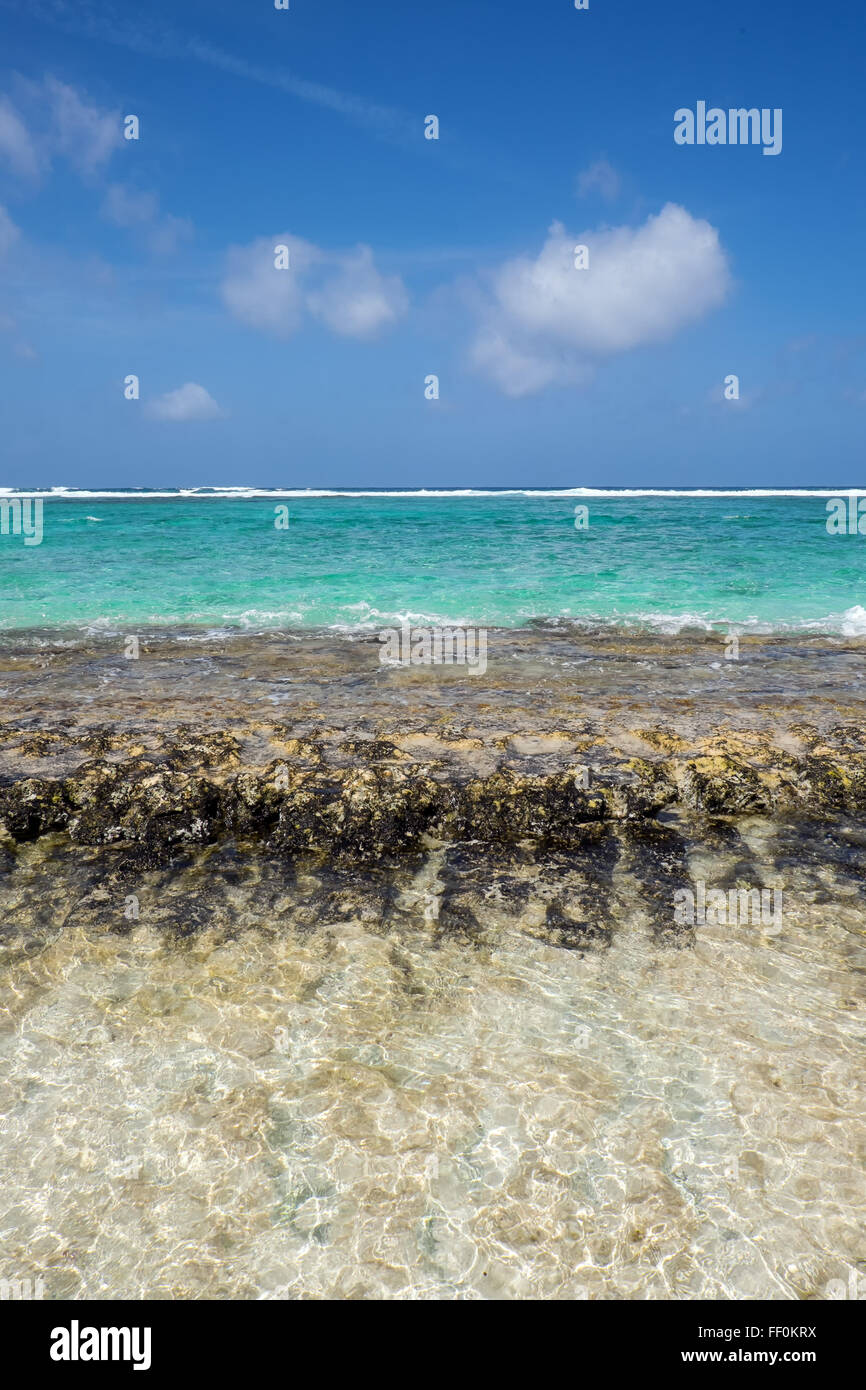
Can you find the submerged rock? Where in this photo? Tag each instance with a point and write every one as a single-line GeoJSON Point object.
{"type": "Point", "coordinates": [369, 799]}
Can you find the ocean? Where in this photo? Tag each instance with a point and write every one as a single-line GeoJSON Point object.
{"type": "Point", "coordinates": [761, 560]}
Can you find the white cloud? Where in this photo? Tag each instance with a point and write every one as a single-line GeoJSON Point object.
{"type": "Point", "coordinates": [261, 296]}
{"type": "Point", "coordinates": [602, 177]}
{"type": "Point", "coordinates": [542, 322]}
{"type": "Point", "coordinates": [60, 122]}
{"type": "Point", "coordinates": [357, 301]}
{"type": "Point", "coordinates": [344, 290]}
{"type": "Point", "coordinates": [87, 136]}
{"type": "Point", "coordinates": [9, 233]}
{"type": "Point", "coordinates": [523, 371]}
{"type": "Point", "coordinates": [51, 120]}
{"type": "Point", "coordinates": [189, 402]}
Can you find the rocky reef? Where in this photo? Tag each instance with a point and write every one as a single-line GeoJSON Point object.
{"type": "Point", "coordinates": [538, 794]}
{"type": "Point", "coordinates": [367, 799]}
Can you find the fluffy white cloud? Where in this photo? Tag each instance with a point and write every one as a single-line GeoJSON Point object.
{"type": "Point", "coordinates": [543, 322]}
{"type": "Point", "coordinates": [600, 177]}
{"type": "Point", "coordinates": [189, 402]}
{"type": "Point", "coordinates": [260, 295]}
{"type": "Point", "coordinates": [356, 300]}
{"type": "Point", "coordinates": [343, 290]}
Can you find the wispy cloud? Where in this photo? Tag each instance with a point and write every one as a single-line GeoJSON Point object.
{"type": "Point", "coordinates": [385, 121]}
{"type": "Point", "coordinates": [83, 133]}
{"type": "Point", "coordinates": [601, 178]}
{"type": "Point", "coordinates": [18, 150]}
{"type": "Point", "coordinates": [342, 289]}
{"type": "Point", "coordinates": [188, 402]}
{"type": "Point", "coordinates": [50, 120]}
{"type": "Point", "coordinates": [104, 22]}
{"type": "Point", "coordinates": [139, 211]}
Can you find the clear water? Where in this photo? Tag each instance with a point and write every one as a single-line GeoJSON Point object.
{"type": "Point", "coordinates": [266, 1110]}
{"type": "Point", "coordinates": [764, 562]}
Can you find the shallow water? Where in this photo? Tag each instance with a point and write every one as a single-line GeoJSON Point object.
{"type": "Point", "coordinates": [286, 1083]}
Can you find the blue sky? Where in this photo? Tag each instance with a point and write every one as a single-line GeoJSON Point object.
{"type": "Point", "coordinates": [411, 257]}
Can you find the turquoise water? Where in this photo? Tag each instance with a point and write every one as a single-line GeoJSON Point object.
{"type": "Point", "coordinates": [762, 562]}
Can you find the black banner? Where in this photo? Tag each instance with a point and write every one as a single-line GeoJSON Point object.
{"type": "Point", "coordinates": [84, 1339]}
